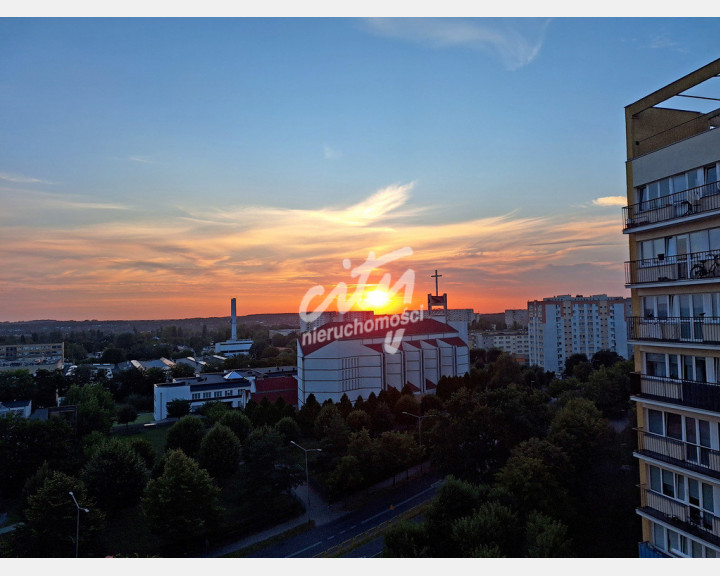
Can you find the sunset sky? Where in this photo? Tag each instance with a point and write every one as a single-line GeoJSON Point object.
{"type": "Point", "coordinates": [156, 168]}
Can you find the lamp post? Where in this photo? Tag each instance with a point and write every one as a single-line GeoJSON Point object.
{"type": "Point", "coordinates": [419, 419]}
{"type": "Point", "coordinates": [307, 474]}
{"type": "Point", "coordinates": [77, 532]}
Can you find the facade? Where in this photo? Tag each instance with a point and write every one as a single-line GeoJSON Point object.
{"type": "Point", "coordinates": [21, 408]}
{"type": "Point", "coordinates": [516, 318]}
{"type": "Point", "coordinates": [561, 326]}
{"type": "Point", "coordinates": [672, 221]}
{"type": "Point", "coordinates": [514, 342]}
{"type": "Point", "coordinates": [346, 358]}
{"type": "Point", "coordinates": [33, 353]}
{"type": "Point", "coordinates": [233, 388]}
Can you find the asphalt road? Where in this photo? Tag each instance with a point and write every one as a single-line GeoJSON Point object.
{"type": "Point", "coordinates": [383, 508]}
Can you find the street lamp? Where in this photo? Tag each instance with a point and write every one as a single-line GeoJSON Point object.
{"type": "Point", "coordinates": [307, 475]}
{"type": "Point", "coordinates": [419, 419]}
{"type": "Point", "coordinates": [77, 533]}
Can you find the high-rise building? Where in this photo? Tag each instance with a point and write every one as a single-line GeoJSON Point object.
{"type": "Point", "coordinates": [561, 326]}
{"type": "Point", "coordinates": [673, 225]}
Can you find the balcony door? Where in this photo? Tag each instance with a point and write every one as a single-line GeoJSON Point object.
{"type": "Point", "coordinates": [697, 437]}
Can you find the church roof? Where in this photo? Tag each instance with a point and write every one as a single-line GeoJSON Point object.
{"type": "Point", "coordinates": [332, 331]}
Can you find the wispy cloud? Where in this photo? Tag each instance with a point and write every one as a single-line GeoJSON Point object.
{"type": "Point", "coordinates": [20, 179]}
{"type": "Point", "coordinates": [610, 201]}
{"type": "Point", "coordinates": [142, 159]}
{"type": "Point", "coordinates": [188, 262]}
{"type": "Point", "coordinates": [517, 42]}
{"type": "Point", "coordinates": [331, 153]}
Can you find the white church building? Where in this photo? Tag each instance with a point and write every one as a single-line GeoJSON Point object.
{"type": "Point", "coordinates": [346, 358]}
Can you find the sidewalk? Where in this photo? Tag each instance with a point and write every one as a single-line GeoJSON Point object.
{"type": "Point", "coordinates": [320, 511]}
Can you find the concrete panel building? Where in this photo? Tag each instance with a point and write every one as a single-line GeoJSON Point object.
{"type": "Point", "coordinates": [561, 326]}
{"type": "Point", "coordinates": [672, 222]}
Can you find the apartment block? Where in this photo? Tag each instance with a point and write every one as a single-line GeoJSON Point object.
{"type": "Point", "coordinates": [561, 326]}
{"type": "Point", "coordinates": [672, 221]}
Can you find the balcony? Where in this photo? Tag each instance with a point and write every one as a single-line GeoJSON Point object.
{"type": "Point", "coordinates": [703, 395]}
{"type": "Point", "coordinates": [692, 520]}
{"type": "Point", "coordinates": [701, 330]}
{"type": "Point", "coordinates": [684, 267]}
{"type": "Point", "coordinates": [691, 456]}
{"type": "Point", "coordinates": [676, 206]}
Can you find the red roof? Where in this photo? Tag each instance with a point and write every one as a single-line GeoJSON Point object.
{"type": "Point", "coordinates": [429, 385]}
{"type": "Point", "coordinates": [413, 387]}
{"type": "Point", "coordinates": [454, 341]}
{"type": "Point", "coordinates": [272, 388]}
{"type": "Point", "coordinates": [336, 331]}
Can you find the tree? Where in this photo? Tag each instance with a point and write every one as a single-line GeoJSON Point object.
{"type": "Point", "coordinates": [113, 356]}
{"type": "Point", "coordinates": [326, 415]}
{"type": "Point", "coordinates": [267, 468]}
{"type": "Point", "coordinates": [455, 499]}
{"type": "Point", "coordinates": [491, 524]}
{"type": "Point", "coordinates": [178, 408]}
{"type": "Point", "coordinates": [505, 371]}
{"type": "Point", "coordinates": [115, 476]}
{"type": "Point", "coordinates": [288, 428]}
{"type": "Point", "coordinates": [547, 537]}
{"type": "Point", "coordinates": [182, 370]}
{"type": "Point", "coordinates": [143, 448]}
{"type": "Point", "coordinates": [16, 385]}
{"type": "Point", "coordinates": [26, 444]}
{"type": "Point", "coordinates": [237, 422]}
{"type": "Point", "coordinates": [182, 504]}
{"type": "Point", "coordinates": [126, 413]}
{"type": "Point", "coordinates": [95, 407]}
{"type": "Point", "coordinates": [572, 361]}
{"type": "Point", "coordinates": [605, 358]}
{"type": "Point", "coordinates": [50, 528]}
{"type": "Point", "coordinates": [406, 403]}
{"type": "Point", "coordinates": [345, 406]}
{"type": "Point", "coordinates": [405, 540]}
{"type": "Point", "coordinates": [220, 452]}
{"type": "Point", "coordinates": [357, 420]}
{"type": "Point", "coordinates": [382, 418]}
{"type": "Point", "coordinates": [213, 411]}
{"type": "Point", "coordinates": [186, 435]}
{"type": "Point", "coordinates": [346, 477]}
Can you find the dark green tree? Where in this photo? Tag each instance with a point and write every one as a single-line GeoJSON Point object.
{"type": "Point", "coordinates": [182, 504]}
{"type": "Point", "coordinates": [178, 408]}
{"type": "Point", "coordinates": [547, 537]}
{"type": "Point", "coordinates": [186, 435]}
{"type": "Point", "coordinates": [126, 413]}
{"type": "Point", "coordinates": [357, 420]}
{"type": "Point", "coordinates": [289, 428]}
{"type": "Point", "coordinates": [50, 526]}
{"type": "Point", "coordinates": [238, 423]}
{"type": "Point", "coordinates": [405, 540]}
{"type": "Point", "coordinates": [95, 407]}
{"type": "Point", "coordinates": [115, 476]}
{"type": "Point", "coordinates": [220, 452]}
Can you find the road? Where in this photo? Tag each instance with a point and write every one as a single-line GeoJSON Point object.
{"type": "Point", "coordinates": [385, 507]}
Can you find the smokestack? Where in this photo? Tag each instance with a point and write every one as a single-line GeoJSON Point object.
{"type": "Point", "coordinates": [233, 315]}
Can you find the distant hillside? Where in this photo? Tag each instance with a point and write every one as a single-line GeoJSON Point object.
{"type": "Point", "coordinates": [287, 320]}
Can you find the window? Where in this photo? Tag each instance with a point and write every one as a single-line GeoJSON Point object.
{"type": "Point", "coordinates": [206, 395]}
{"type": "Point", "coordinates": [655, 421]}
{"type": "Point", "coordinates": [218, 394]}
{"type": "Point", "coordinates": [673, 425]}
{"type": "Point", "coordinates": [196, 396]}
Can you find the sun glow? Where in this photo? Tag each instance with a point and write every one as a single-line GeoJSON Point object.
{"type": "Point", "coordinates": [376, 299]}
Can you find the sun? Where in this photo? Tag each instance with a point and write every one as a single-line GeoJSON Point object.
{"type": "Point", "coordinates": [376, 299]}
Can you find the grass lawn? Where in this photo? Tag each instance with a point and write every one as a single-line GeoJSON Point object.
{"type": "Point", "coordinates": [143, 418]}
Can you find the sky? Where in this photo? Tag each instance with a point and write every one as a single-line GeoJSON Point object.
{"type": "Point", "coordinates": [155, 168]}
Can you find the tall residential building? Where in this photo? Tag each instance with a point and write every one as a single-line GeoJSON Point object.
{"type": "Point", "coordinates": [561, 326]}
{"type": "Point", "coordinates": [514, 342]}
{"type": "Point", "coordinates": [673, 225]}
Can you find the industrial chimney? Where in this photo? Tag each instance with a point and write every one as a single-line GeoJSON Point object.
{"type": "Point", "coordinates": [233, 316]}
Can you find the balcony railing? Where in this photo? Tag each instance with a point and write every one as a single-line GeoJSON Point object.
{"type": "Point", "coordinates": [696, 200]}
{"type": "Point", "coordinates": [700, 330]}
{"type": "Point", "coordinates": [693, 266]}
{"type": "Point", "coordinates": [694, 520]}
{"type": "Point", "coordinates": [691, 456]}
{"type": "Point", "coordinates": [689, 393]}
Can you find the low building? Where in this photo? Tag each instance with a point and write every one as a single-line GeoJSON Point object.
{"type": "Point", "coordinates": [513, 342]}
{"type": "Point", "coordinates": [232, 388]}
{"type": "Point", "coordinates": [22, 408]}
{"type": "Point", "coordinates": [33, 353]}
{"type": "Point", "coordinates": [351, 358]}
